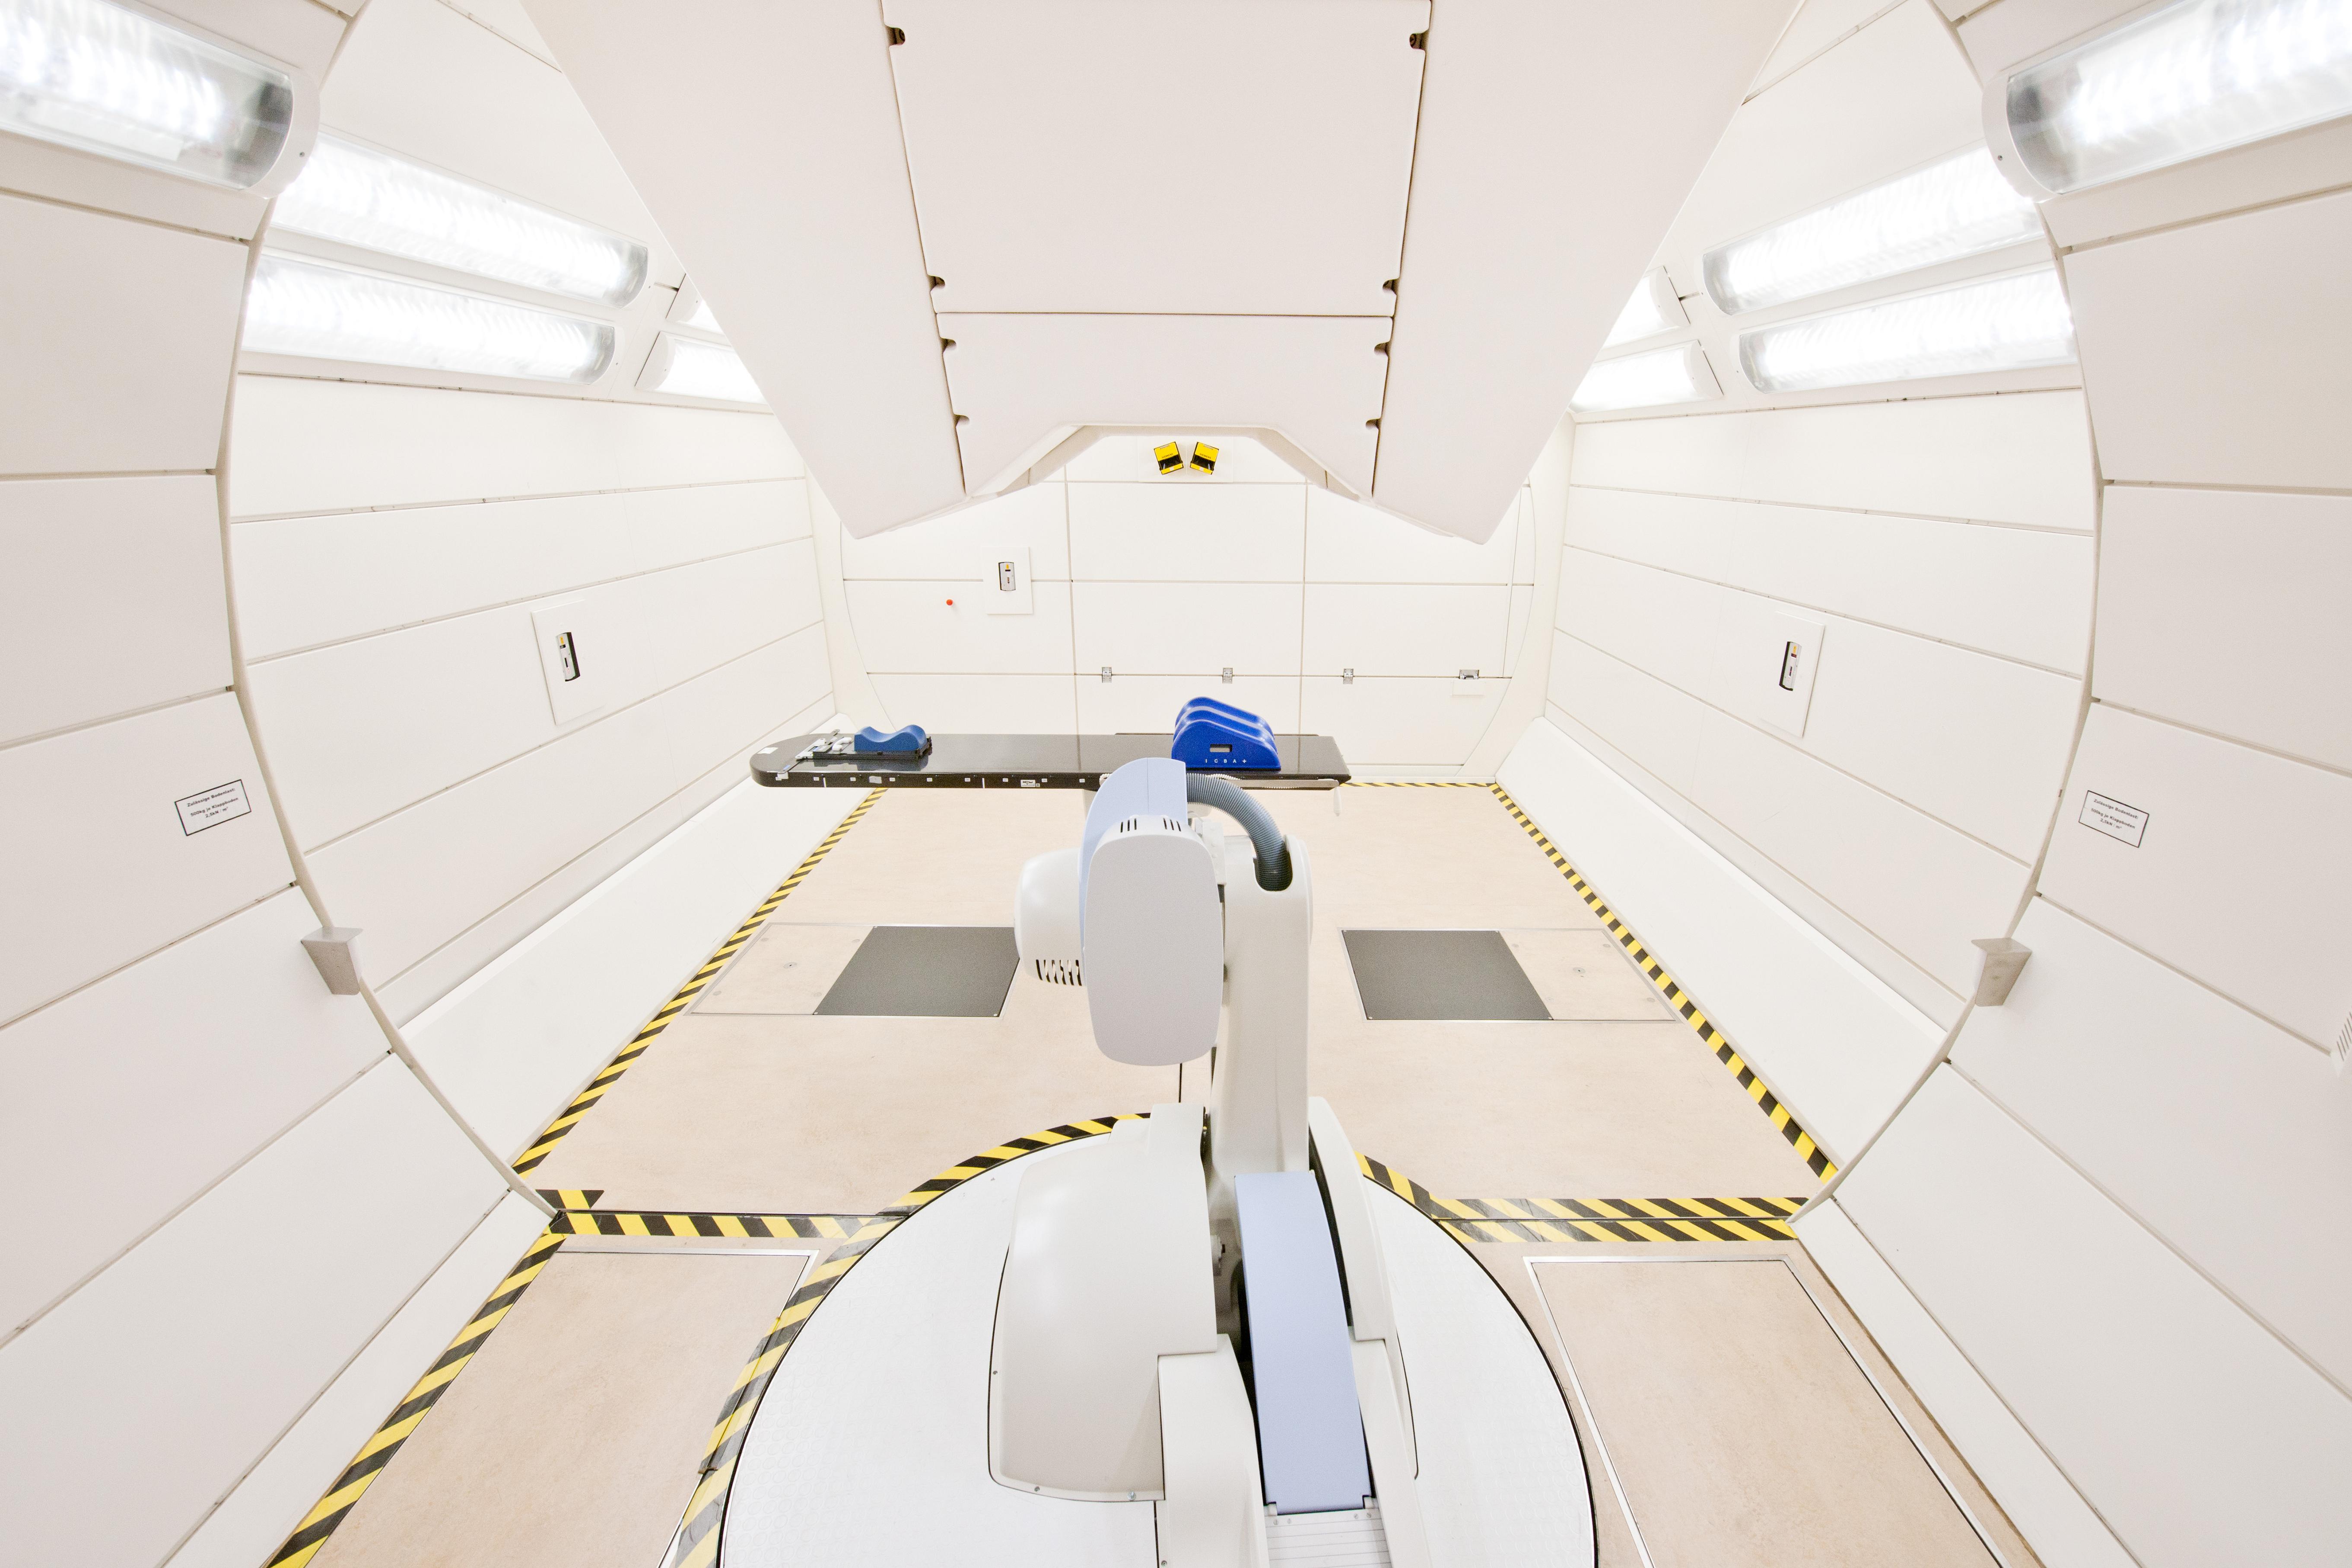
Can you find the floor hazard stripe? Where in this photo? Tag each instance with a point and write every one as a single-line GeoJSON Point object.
{"type": "Point", "coordinates": [1594, 1219]}
{"type": "Point", "coordinates": [585, 1100]}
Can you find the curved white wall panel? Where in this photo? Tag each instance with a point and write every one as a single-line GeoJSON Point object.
{"type": "Point", "coordinates": [1046, 182]}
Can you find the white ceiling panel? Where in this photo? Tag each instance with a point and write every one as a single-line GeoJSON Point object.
{"type": "Point", "coordinates": [1175, 156]}
{"type": "Point", "coordinates": [765, 139]}
{"type": "Point", "coordinates": [1021, 382]}
{"type": "Point", "coordinates": [1557, 140]}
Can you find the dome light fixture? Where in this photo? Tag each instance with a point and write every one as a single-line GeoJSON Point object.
{"type": "Point", "coordinates": [2015, 323]}
{"type": "Point", "coordinates": [2171, 84]}
{"type": "Point", "coordinates": [1957, 207]}
{"type": "Point", "coordinates": [378, 201]}
{"type": "Point", "coordinates": [1652, 380]}
{"type": "Point", "coordinates": [108, 79]}
{"type": "Point", "coordinates": [318, 310]}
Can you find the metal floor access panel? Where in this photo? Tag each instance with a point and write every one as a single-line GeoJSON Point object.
{"type": "Point", "coordinates": [1427, 975]}
{"type": "Point", "coordinates": [926, 972]}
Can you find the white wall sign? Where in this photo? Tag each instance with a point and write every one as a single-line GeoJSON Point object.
{"type": "Point", "coordinates": [211, 808]}
{"type": "Point", "coordinates": [2113, 817]}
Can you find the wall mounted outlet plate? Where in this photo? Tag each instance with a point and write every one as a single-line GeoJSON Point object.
{"type": "Point", "coordinates": [1004, 587]}
{"type": "Point", "coordinates": [1786, 671]}
{"type": "Point", "coordinates": [572, 654]}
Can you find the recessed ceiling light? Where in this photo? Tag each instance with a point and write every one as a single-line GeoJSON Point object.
{"type": "Point", "coordinates": [311, 308]}
{"type": "Point", "coordinates": [2016, 323]}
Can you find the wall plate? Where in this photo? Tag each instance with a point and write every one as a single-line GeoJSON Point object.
{"type": "Point", "coordinates": [1787, 668]}
{"type": "Point", "coordinates": [572, 655]}
{"type": "Point", "coordinates": [1004, 587]}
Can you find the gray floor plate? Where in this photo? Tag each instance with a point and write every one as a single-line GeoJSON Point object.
{"type": "Point", "coordinates": [1441, 975]}
{"type": "Point", "coordinates": [926, 972]}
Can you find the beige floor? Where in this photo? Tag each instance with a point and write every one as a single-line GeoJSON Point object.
{"type": "Point", "coordinates": [1737, 1417]}
{"type": "Point", "coordinates": [572, 1439]}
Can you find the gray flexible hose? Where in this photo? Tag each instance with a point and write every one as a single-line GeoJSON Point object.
{"type": "Point", "coordinates": [1272, 850]}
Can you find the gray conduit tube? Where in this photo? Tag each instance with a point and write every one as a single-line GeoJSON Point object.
{"type": "Point", "coordinates": [1272, 850]}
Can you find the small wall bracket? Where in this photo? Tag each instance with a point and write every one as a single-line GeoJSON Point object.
{"type": "Point", "coordinates": [2000, 959]}
{"type": "Point", "coordinates": [336, 950]}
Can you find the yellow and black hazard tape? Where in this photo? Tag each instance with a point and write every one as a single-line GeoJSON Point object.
{"type": "Point", "coordinates": [1593, 1219]}
{"type": "Point", "coordinates": [1012, 1149]}
{"type": "Point", "coordinates": [719, 1226]}
{"type": "Point", "coordinates": [585, 1100]}
{"type": "Point", "coordinates": [332, 1509]}
{"type": "Point", "coordinates": [1766, 1100]}
{"type": "Point", "coordinates": [696, 1544]}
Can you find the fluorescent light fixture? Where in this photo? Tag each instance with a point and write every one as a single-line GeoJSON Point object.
{"type": "Point", "coordinates": [2014, 322]}
{"type": "Point", "coordinates": [107, 80]}
{"type": "Point", "coordinates": [2175, 84]}
{"type": "Point", "coordinates": [376, 200]}
{"type": "Point", "coordinates": [1953, 208]}
{"type": "Point", "coordinates": [1678, 375]}
{"type": "Point", "coordinates": [688, 367]}
{"type": "Point", "coordinates": [316, 311]}
{"type": "Point", "coordinates": [691, 310]}
{"type": "Point", "coordinates": [1654, 308]}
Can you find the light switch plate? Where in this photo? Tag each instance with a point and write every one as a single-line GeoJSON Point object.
{"type": "Point", "coordinates": [1787, 671]}
{"type": "Point", "coordinates": [1004, 586]}
{"type": "Point", "coordinates": [572, 655]}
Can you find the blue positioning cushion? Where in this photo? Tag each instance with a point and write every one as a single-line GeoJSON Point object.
{"type": "Point", "coordinates": [1214, 734]}
{"type": "Point", "coordinates": [910, 741]}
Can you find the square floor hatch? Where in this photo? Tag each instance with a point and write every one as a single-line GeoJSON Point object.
{"type": "Point", "coordinates": [926, 972]}
{"type": "Point", "coordinates": [1433, 975]}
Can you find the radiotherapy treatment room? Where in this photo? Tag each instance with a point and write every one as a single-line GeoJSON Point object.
{"type": "Point", "coordinates": [1176, 784]}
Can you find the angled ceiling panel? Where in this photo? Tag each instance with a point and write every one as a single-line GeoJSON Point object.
{"type": "Point", "coordinates": [1557, 138]}
{"type": "Point", "coordinates": [1224, 157]}
{"type": "Point", "coordinates": [1022, 381]}
{"type": "Point", "coordinates": [764, 138]}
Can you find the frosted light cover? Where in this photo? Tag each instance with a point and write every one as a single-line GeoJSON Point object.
{"type": "Point", "coordinates": [320, 311]}
{"type": "Point", "coordinates": [379, 201]}
{"type": "Point", "coordinates": [700, 316]}
{"type": "Point", "coordinates": [2004, 323]}
{"type": "Point", "coordinates": [698, 369]}
{"type": "Point", "coordinates": [1678, 375]}
{"type": "Point", "coordinates": [1953, 208]}
{"type": "Point", "coordinates": [85, 74]}
{"type": "Point", "coordinates": [1645, 315]}
{"type": "Point", "coordinates": [2191, 78]}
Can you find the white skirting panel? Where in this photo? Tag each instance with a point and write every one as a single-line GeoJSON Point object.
{"type": "Point", "coordinates": [1833, 1042]}
{"type": "Point", "coordinates": [2045, 1506]}
{"type": "Point", "coordinates": [253, 1521]}
{"type": "Point", "coordinates": [516, 1041]}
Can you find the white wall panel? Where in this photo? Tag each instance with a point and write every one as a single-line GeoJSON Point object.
{"type": "Point", "coordinates": [2225, 610]}
{"type": "Point", "coordinates": [1389, 723]}
{"type": "Point", "coordinates": [117, 1119]}
{"type": "Point", "coordinates": [1172, 628]}
{"type": "Point", "coordinates": [2024, 459]}
{"type": "Point", "coordinates": [417, 879]}
{"type": "Point", "coordinates": [255, 1519]}
{"type": "Point", "coordinates": [304, 580]}
{"type": "Point", "coordinates": [2022, 592]}
{"type": "Point", "coordinates": [2216, 352]}
{"type": "Point", "coordinates": [2199, 1436]}
{"type": "Point", "coordinates": [99, 870]}
{"type": "Point", "coordinates": [1184, 533]}
{"type": "Point", "coordinates": [111, 597]}
{"type": "Point", "coordinates": [1818, 27]}
{"type": "Point", "coordinates": [1895, 95]}
{"type": "Point", "coordinates": [2035, 1494]}
{"type": "Point", "coordinates": [981, 704]}
{"type": "Point", "coordinates": [1923, 888]}
{"type": "Point", "coordinates": [1148, 702]}
{"type": "Point", "coordinates": [960, 543]}
{"type": "Point", "coordinates": [1979, 742]}
{"type": "Point", "coordinates": [270, 1288]}
{"type": "Point", "coordinates": [497, 116]}
{"type": "Point", "coordinates": [118, 358]}
{"type": "Point", "coordinates": [301, 445]}
{"type": "Point", "coordinates": [2192, 1113]}
{"type": "Point", "coordinates": [1347, 541]}
{"type": "Point", "coordinates": [453, 960]}
{"type": "Point", "coordinates": [362, 728]}
{"type": "Point", "coordinates": [1405, 630]}
{"type": "Point", "coordinates": [1831, 1039]}
{"type": "Point", "coordinates": [513, 1044]}
{"type": "Point", "coordinates": [2228, 830]}
{"type": "Point", "coordinates": [944, 627]}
